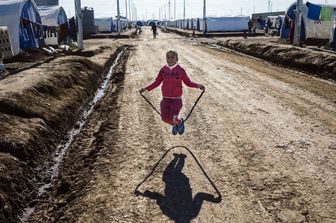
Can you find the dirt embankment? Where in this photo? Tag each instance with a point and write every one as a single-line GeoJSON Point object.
{"type": "Point", "coordinates": [64, 202]}
{"type": "Point", "coordinates": [37, 107]}
{"type": "Point", "coordinates": [316, 63]}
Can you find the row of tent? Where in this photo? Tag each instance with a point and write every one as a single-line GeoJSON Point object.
{"type": "Point", "coordinates": [30, 26]}
{"type": "Point", "coordinates": [213, 24]}
{"type": "Point", "coordinates": [108, 24]}
{"type": "Point", "coordinates": [318, 22]}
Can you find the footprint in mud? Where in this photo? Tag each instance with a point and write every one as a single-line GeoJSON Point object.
{"type": "Point", "coordinates": [177, 202]}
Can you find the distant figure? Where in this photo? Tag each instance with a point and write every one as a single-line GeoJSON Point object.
{"type": "Point", "coordinates": [250, 25]}
{"type": "Point", "coordinates": [259, 21]}
{"type": "Point", "coordinates": [291, 32]}
{"type": "Point", "coordinates": [154, 29]}
{"type": "Point", "coordinates": [268, 27]}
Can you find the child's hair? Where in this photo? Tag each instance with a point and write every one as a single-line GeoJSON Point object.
{"type": "Point", "coordinates": [173, 52]}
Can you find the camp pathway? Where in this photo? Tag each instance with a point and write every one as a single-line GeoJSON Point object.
{"type": "Point", "coordinates": [265, 135]}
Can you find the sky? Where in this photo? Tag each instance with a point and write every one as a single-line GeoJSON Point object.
{"type": "Point", "coordinates": [149, 9]}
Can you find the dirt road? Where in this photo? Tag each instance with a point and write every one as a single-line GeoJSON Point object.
{"type": "Point", "coordinates": [265, 135]}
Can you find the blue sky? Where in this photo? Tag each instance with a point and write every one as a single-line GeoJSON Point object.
{"type": "Point", "coordinates": [194, 8]}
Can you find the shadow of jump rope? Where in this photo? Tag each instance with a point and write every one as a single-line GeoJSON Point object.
{"type": "Point", "coordinates": [218, 199]}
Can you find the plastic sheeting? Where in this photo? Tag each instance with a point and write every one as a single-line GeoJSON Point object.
{"type": "Point", "coordinates": [11, 12]}
{"type": "Point", "coordinates": [105, 24]}
{"type": "Point", "coordinates": [52, 15]}
{"type": "Point", "coordinates": [311, 28]}
{"type": "Point", "coordinates": [317, 29]}
{"type": "Point", "coordinates": [227, 24]}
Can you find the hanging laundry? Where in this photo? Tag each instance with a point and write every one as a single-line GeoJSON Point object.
{"type": "Point", "coordinates": [326, 13]}
{"type": "Point", "coordinates": [313, 11]}
{"type": "Point", "coordinates": [63, 32]}
{"type": "Point", "coordinates": [73, 28]}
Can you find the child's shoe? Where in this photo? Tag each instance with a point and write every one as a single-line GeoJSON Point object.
{"type": "Point", "coordinates": [180, 127]}
{"type": "Point", "coordinates": [175, 129]}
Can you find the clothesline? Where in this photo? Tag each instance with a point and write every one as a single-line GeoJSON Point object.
{"type": "Point", "coordinates": [25, 20]}
{"type": "Point", "coordinates": [320, 13]}
{"type": "Point", "coordinates": [47, 31]}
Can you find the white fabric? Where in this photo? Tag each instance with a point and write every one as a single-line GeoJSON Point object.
{"type": "Point", "coordinates": [201, 24]}
{"type": "Point", "coordinates": [216, 24]}
{"type": "Point", "coordinates": [321, 29]}
{"type": "Point", "coordinates": [104, 24]}
{"type": "Point", "coordinates": [10, 16]}
{"type": "Point", "coordinates": [52, 15]}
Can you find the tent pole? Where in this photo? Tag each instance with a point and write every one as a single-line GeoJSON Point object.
{"type": "Point", "coordinates": [297, 28]}
{"type": "Point", "coordinates": [204, 17]}
{"type": "Point", "coordinates": [169, 9]}
{"type": "Point", "coordinates": [183, 9]}
{"type": "Point", "coordinates": [174, 9]}
{"type": "Point", "coordinates": [126, 9]}
{"type": "Point", "coordinates": [118, 17]}
{"type": "Point", "coordinates": [79, 17]}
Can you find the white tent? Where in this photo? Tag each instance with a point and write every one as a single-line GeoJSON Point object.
{"type": "Point", "coordinates": [311, 28]}
{"type": "Point", "coordinates": [53, 16]}
{"type": "Point", "coordinates": [227, 24]}
{"type": "Point", "coordinates": [318, 29]}
{"type": "Point", "coordinates": [193, 25]}
{"type": "Point", "coordinates": [21, 35]}
{"type": "Point", "coordinates": [105, 24]}
{"type": "Point", "coordinates": [200, 24]}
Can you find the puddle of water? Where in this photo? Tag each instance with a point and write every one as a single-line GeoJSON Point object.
{"type": "Point", "coordinates": [62, 148]}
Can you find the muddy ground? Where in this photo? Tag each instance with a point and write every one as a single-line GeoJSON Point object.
{"type": "Point", "coordinates": [265, 135]}
{"type": "Point", "coordinates": [318, 63]}
{"type": "Point", "coordinates": [37, 108]}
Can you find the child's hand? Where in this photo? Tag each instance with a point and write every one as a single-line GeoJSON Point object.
{"type": "Point", "coordinates": [201, 87]}
{"type": "Point", "coordinates": [142, 90]}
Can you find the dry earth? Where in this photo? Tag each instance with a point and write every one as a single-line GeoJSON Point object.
{"type": "Point", "coordinates": [265, 135]}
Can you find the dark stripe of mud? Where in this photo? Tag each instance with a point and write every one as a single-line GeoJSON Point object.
{"type": "Point", "coordinates": [35, 118]}
{"type": "Point", "coordinates": [314, 63]}
{"type": "Point", "coordinates": [64, 201]}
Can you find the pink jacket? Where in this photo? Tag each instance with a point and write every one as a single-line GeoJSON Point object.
{"type": "Point", "coordinates": [172, 81]}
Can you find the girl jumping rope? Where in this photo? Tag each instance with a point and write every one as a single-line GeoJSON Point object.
{"type": "Point", "coordinates": [171, 77]}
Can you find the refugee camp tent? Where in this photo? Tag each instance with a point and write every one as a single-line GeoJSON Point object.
{"type": "Point", "coordinates": [284, 28]}
{"type": "Point", "coordinates": [193, 24]}
{"type": "Point", "coordinates": [151, 23]}
{"type": "Point", "coordinates": [200, 24]}
{"type": "Point", "coordinates": [321, 28]}
{"type": "Point", "coordinates": [317, 21]}
{"type": "Point", "coordinates": [227, 24]}
{"type": "Point", "coordinates": [105, 25]}
{"type": "Point", "coordinates": [24, 23]}
{"type": "Point", "coordinates": [55, 16]}
{"type": "Point", "coordinates": [139, 23]}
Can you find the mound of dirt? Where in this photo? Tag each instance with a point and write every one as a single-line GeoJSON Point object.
{"type": "Point", "coordinates": [317, 63]}
{"type": "Point", "coordinates": [37, 108]}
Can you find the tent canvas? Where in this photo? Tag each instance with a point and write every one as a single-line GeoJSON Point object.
{"type": "Point", "coordinates": [320, 29]}
{"type": "Point", "coordinates": [200, 24]}
{"type": "Point", "coordinates": [22, 36]}
{"type": "Point", "coordinates": [139, 23]}
{"type": "Point", "coordinates": [311, 28]}
{"type": "Point", "coordinates": [105, 24]}
{"type": "Point", "coordinates": [193, 24]}
{"type": "Point", "coordinates": [227, 24]}
{"type": "Point", "coordinates": [52, 16]}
